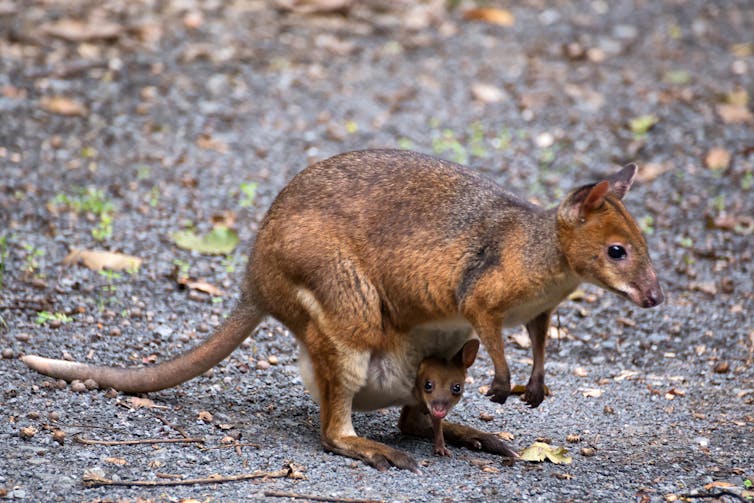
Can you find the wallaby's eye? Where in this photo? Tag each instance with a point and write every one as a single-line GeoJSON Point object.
{"type": "Point", "coordinates": [428, 386]}
{"type": "Point", "coordinates": [456, 389]}
{"type": "Point", "coordinates": [616, 252]}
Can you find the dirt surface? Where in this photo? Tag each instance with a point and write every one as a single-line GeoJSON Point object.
{"type": "Point", "coordinates": [151, 117]}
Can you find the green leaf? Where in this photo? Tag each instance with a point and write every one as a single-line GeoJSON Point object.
{"type": "Point", "coordinates": [220, 241]}
{"type": "Point", "coordinates": [540, 451]}
{"type": "Point", "coordinates": [642, 124]}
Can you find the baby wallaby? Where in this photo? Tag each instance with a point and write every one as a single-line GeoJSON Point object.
{"type": "Point", "coordinates": [377, 259]}
{"type": "Point", "coordinates": [439, 387]}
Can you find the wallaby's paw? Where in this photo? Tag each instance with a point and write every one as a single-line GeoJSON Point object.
{"type": "Point", "coordinates": [442, 451]}
{"type": "Point", "coordinates": [500, 390]}
{"type": "Point", "coordinates": [392, 457]}
{"type": "Point", "coordinates": [535, 391]}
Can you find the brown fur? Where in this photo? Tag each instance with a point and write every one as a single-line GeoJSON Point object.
{"type": "Point", "coordinates": [378, 259]}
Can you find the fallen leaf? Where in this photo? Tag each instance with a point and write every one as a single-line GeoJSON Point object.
{"type": "Point", "coordinates": [505, 435]}
{"type": "Point", "coordinates": [492, 15]}
{"type": "Point", "coordinates": [718, 483]}
{"type": "Point", "coordinates": [203, 286]}
{"type": "Point", "coordinates": [207, 142]}
{"type": "Point", "coordinates": [74, 30]}
{"type": "Point", "coordinates": [651, 171]}
{"type": "Point", "coordinates": [580, 372]}
{"type": "Point", "coordinates": [592, 393]}
{"type": "Point", "coordinates": [116, 461]}
{"type": "Point", "coordinates": [205, 416]}
{"type": "Point", "coordinates": [734, 114]}
{"type": "Point", "coordinates": [721, 367]}
{"type": "Point", "coordinates": [717, 158]}
{"type": "Point", "coordinates": [540, 451]}
{"type": "Point", "coordinates": [220, 241]}
{"type": "Point", "coordinates": [625, 374]}
{"type": "Point", "coordinates": [97, 260]}
{"type": "Point", "coordinates": [146, 403]}
{"type": "Point", "coordinates": [487, 93]}
{"type": "Point", "coordinates": [642, 124]}
{"type": "Point", "coordinates": [486, 417]}
{"type": "Point", "coordinates": [521, 340]}
{"type": "Point", "coordinates": [63, 106]}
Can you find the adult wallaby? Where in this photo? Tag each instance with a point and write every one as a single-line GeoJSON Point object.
{"type": "Point", "coordinates": [378, 259]}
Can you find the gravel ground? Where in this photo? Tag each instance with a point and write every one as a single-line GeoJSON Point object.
{"type": "Point", "coordinates": [151, 117]}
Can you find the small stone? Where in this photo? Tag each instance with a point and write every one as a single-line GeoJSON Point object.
{"type": "Point", "coordinates": [573, 438]}
{"type": "Point", "coordinates": [78, 386]}
{"type": "Point", "coordinates": [587, 451]}
{"type": "Point", "coordinates": [91, 384]}
{"type": "Point", "coordinates": [262, 365]}
{"type": "Point", "coordinates": [27, 432]}
{"type": "Point", "coordinates": [53, 416]}
{"type": "Point", "coordinates": [202, 327]}
{"type": "Point", "coordinates": [54, 323]}
{"type": "Point", "coordinates": [486, 417]}
{"type": "Point", "coordinates": [7, 353]}
{"type": "Point", "coordinates": [23, 337]}
{"type": "Point", "coordinates": [60, 384]}
{"type": "Point", "coordinates": [33, 415]}
{"type": "Point", "coordinates": [58, 436]}
{"type": "Point", "coordinates": [273, 360]}
{"type": "Point", "coordinates": [608, 410]}
{"type": "Point", "coordinates": [111, 393]}
{"type": "Point", "coordinates": [115, 331]}
{"type": "Point", "coordinates": [722, 367]}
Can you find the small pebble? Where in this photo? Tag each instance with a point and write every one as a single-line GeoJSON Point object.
{"type": "Point", "coordinates": [486, 417]}
{"type": "Point", "coordinates": [53, 416]}
{"type": "Point", "coordinates": [202, 327]}
{"type": "Point", "coordinates": [33, 415]}
{"type": "Point", "coordinates": [273, 359]}
{"type": "Point", "coordinates": [262, 365]}
{"type": "Point", "coordinates": [78, 386]}
{"type": "Point", "coordinates": [91, 384]}
{"type": "Point", "coordinates": [608, 410]}
{"type": "Point", "coordinates": [115, 331]}
{"type": "Point", "coordinates": [7, 353]}
{"type": "Point", "coordinates": [721, 367]}
{"type": "Point", "coordinates": [587, 451]}
{"type": "Point", "coordinates": [54, 323]}
{"type": "Point", "coordinates": [58, 436]}
{"type": "Point", "coordinates": [23, 337]}
{"type": "Point", "coordinates": [27, 432]}
{"type": "Point", "coordinates": [61, 384]}
{"type": "Point", "coordinates": [573, 438]}
{"type": "Point", "coordinates": [111, 393]}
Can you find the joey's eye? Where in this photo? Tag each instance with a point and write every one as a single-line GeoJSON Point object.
{"type": "Point", "coordinates": [428, 386]}
{"type": "Point", "coordinates": [616, 252]}
{"type": "Point", "coordinates": [456, 389]}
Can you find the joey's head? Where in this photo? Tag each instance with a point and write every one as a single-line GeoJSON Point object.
{"type": "Point", "coordinates": [602, 242]}
{"type": "Point", "coordinates": [439, 383]}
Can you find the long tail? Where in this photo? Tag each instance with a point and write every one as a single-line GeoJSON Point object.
{"type": "Point", "coordinates": [239, 325]}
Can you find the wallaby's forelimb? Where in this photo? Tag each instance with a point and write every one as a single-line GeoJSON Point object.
{"type": "Point", "coordinates": [239, 325]}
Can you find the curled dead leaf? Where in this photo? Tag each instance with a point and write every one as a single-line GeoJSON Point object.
{"type": "Point", "coordinates": [203, 286]}
{"type": "Point", "coordinates": [205, 416]}
{"type": "Point", "coordinates": [63, 106]}
{"type": "Point", "coordinates": [492, 15]}
{"type": "Point", "coordinates": [540, 451]}
{"type": "Point", "coordinates": [97, 260]}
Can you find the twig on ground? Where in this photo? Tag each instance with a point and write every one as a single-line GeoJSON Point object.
{"type": "Point", "coordinates": [715, 495]}
{"type": "Point", "coordinates": [93, 480]}
{"type": "Point", "coordinates": [137, 441]}
{"type": "Point", "coordinates": [177, 428]}
{"type": "Point", "coordinates": [314, 497]}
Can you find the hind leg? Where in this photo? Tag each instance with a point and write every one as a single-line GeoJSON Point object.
{"type": "Point", "coordinates": [414, 422]}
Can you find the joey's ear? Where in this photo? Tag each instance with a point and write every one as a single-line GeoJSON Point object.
{"type": "Point", "coordinates": [622, 180]}
{"type": "Point", "coordinates": [584, 200]}
{"type": "Point", "coordinates": [467, 354]}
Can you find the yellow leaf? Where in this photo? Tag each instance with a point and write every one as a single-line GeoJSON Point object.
{"type": "Point", "coordinates": [491, 15]}
{"type": "Point", "coordinates": [540, 451]}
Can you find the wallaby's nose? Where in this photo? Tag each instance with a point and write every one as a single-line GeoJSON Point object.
{"type": "Point", "coordinates": [654, 297]}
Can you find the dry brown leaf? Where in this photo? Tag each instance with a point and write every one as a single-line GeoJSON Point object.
{"type": "Point", "coordinates": [521, 340]}
{"type": "Point", "coordinates": [63, 106]}
{"type": "Point", "coordinates": [505, 435]}
{"type": "Point", "coordinates": [146, 403]}
{"type": "Point", "coordinates": [205, 416]}
{"type": "Point", "coordinates": [206, 142]}
{"type": "Point", "coordinates": [487, 93]}
{"type": "Point", "coordinates": [718, 483]}
{"type": "Point", "coordinates": [205, 287]}
{"type": "Point", "coordinates": [313, 6]}
{"type": "Point", "coordinates": [116, 461]}
{"type": "Point", "coordinates": [651, 171]}
{"type": "Point", "coordinates": [717, 158]}
{"type": "Point", "coordinates": [74, 30]}
{"type": "Point", "coordinates": [592, 393]}
{"type": "Point", "coordinates": [734, 114]}
{"type": "Point", "coordinates": [97, 260]}
{"type": "Point", "coordinates": [501, 17]}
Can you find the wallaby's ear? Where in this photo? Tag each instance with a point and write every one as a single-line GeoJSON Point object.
{"type": "Point", "coordinates": [622, 180]}
{"type": "Point", "coordinates": [467, 354]}
{"type": "Point", "coordinates": [584, 200]}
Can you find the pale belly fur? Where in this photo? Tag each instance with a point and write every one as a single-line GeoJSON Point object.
{"type": "Point", "coordinates": [388, 378]}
